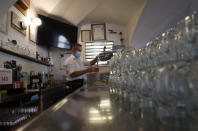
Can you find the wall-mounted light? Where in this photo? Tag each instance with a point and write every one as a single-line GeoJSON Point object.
{"type": "Point", "coordinates": [28, 20]}
{"type": "Point", "coordinates": [36, 21]}
{"type": "Point", "coordinates": [33, 21]}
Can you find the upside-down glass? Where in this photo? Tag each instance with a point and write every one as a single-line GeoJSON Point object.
{"type": "Point", "coordinates": [163, 74]}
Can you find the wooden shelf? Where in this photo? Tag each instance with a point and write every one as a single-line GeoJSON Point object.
{"type": "Point", "coordinates": [22, 6]}
{"type": "Point", "coordinates": [25, 4]}
{"type": "Point", "coordinates": [24, 57]}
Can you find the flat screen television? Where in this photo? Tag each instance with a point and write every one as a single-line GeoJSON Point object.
{"type": "Point", "coordinates": [53, 33]}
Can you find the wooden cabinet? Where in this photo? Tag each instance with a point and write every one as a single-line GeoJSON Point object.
{"type": "Point", "coordinates": [22, 6]}
{"type": "Point", "coordinates": [26, 3]}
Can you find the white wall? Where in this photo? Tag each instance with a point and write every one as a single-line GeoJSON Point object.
{"type": "Point", "coordinates": [58, 69]}
{"type": "Point", "coordinates": [194, 6]}
{"type": "Point", "coordinates": [158, 16]}
{"type": "Point", "coordinates": [109, 37]}
{"type": "Point", "coordinates": [4, 5]}
{"type": "Point", "coordinates": [27, 65]}
{"type": "Point", "coordinates": [22, 41]}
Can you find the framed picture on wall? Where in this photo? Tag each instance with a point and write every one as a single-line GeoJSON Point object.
{"type": "Point", "coordinates": [33, 34]}
{"type": "Point", "coordinates": [98, 32]}
{"type": "Point", "coordinates": [4, 24]}
{"type": "Point", "coordinates": [18, 23]}
{"type": "Point", "coordinates": [85, 35]}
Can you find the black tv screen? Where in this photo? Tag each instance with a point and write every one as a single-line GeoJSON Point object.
{"type": "Point", "coordinates": [53, 33]}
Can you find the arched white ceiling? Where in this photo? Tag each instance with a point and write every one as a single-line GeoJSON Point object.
{"type": "Point", "coordinates": [86, 11]}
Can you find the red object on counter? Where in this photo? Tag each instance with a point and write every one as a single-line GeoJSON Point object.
{"type": "Point", "coordinates": [45, 59]}
{"type": "Point", "coordinates": [16, 84]}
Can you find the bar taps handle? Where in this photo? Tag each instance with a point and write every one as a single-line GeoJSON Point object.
{"type": "Point", "coordinates": [104, 49]}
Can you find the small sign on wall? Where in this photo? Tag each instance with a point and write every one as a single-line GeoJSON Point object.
{"type": "Point", "coordinates": [33, 33]}
{"type": "Point", "coordinates": [4, 24]}
{"type": "Point", "coordinates": [5, 76]}
{"type": "Point", "coordinates": [18, 23]}
{"type": "Point", "coordinates": [85, 35]}
{"type": "Point", "coordinates": [98, 31]}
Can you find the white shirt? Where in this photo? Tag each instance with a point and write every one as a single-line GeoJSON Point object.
{"type": "Point", "coordinates": [73, 64]}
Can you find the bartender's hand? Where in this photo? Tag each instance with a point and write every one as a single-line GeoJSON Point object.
{"type": "Point", "coordinates": [90, 69]}
{"type": "Point", "coordinates": [82, 72]}
{"type": "Point", "coordinates": [94, 60]}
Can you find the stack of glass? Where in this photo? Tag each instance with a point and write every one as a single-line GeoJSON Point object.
{"type": "Point", "coordinates": [161, 78]}
{"type": "Point", "coordinates": [17, 115]}
{"type": "Point", "coordinates": [18, 49]}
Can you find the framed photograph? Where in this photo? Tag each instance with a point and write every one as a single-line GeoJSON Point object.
{"type": "Point", "coordinates": [18, 23]}
{"type": "Point", "coordinates": [85, 35]}
{"type": "Point", "coordinates": [98, 32]}
{"type": "Point", "coordinates": [33, 34]}
{"type": "Point", "coordinates": [4, 24]}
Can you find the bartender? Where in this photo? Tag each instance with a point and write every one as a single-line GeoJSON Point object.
{"type": "Point", "coordinates": [76, 69]}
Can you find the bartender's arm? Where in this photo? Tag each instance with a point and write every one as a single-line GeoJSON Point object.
{"type": "Point", "coordinates": [81, 72]}
{"type": "Point", "coordinates": [94, 61]}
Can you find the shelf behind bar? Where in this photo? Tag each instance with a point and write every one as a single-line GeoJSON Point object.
{"type": "Point", "coordinates": [31, 102]}
{"type": "Point", "coordinates": [9, 98]}
{"type": "Point", "coordinates": [26, 121]}
{"type": "Point", "coordinates": [24, 56]}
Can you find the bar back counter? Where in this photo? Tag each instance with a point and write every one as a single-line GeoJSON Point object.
{"type": "Point", "coordinates": [18, 109]}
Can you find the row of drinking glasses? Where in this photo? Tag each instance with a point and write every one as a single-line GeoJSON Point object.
{"type": "Point", "coordinates": [170, 88]}
{"type": "Point", "coordinates": [177, 44]}
{"type": "Point", "coordinates": [174, 78]}
{"type": "Point", "coordinates": [12, 120]}
{"type": "Point", "coordinates": [18, 49]}
{"type": "Point", "coordinates": [30, 110]}
{"type": "Point", "coordinates": [162, 76]}
{"type": "Point", "coordinates": [17, 115]}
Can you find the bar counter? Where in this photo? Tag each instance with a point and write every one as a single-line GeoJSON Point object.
{"type": "Point", "coordinates": [93, 108]}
